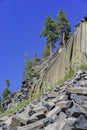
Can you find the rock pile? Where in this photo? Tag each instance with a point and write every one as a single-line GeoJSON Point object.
{"type": "Point", "coordinates": [63, 108]}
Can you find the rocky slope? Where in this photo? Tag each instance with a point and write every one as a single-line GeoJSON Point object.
{"type": "Point", "coordinates": [62, 108]}
{"type": "Point", "coordinates": [49, 72]}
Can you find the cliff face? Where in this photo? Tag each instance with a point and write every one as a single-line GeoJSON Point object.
{"type": "Point", "coordinates": [79, 54]}
{"type": "Point", "coordinates": [71, 56]}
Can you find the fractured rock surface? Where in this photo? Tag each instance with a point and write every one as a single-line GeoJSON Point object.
{"type": "Point", "coordinates": [65, 110]}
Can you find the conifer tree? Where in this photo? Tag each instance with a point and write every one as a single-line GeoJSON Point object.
{"type": "Point", "coordinates": [46, 51]}
{"type": "Point", "coordinates": [50, 32]}
{"type": "Point", "coordinates": [0, 103]}
{"type": "Point", "coordinates": [63, 27]}
{"type": "Point", "coordinates": [35, 60]}
{"type": "Point", "coordinates": [6, 92]}
{"type": "Point", "coordinates": [7, 83]}
{"type": "Point", "coordinates": [27, 67]}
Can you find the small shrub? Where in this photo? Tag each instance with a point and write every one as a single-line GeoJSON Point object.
{"type": "Point", "coordinates": [83, 67]}
{"type": "Point", "coordinates": [67, 76]}
{"type": "Point", "coordinates": [70, 74]}
{"type": "Point", "coordinates": [10, 111]}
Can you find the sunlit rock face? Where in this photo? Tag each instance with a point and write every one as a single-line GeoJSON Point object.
{"type": "Point", "coordinates": [73, 55]}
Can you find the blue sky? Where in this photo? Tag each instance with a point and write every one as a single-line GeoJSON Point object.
{"type": "Point", "coordinates": [21, 21]}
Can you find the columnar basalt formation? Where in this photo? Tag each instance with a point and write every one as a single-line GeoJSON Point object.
{"type": "Point", "coordinates": [50, 71]}
{"type": "Point", "coordinates": [73, 55]}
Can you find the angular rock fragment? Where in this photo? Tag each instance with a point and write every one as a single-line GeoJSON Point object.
{"type": "Point", "coordinates": [38, 109]}
{"type": "Point", "coordinates": [33, 126]}
{"type": "Point", "coordinates": [78, 90]}
{"type": "Point", "coordinates": [82, 108]}
{"type": "Point", "coordinates": [39, 115]}
{"type": "Point", "coordinates": [49, 106]}
{"type": "Point", "coordinates": [74, 111]}
{"type": "Point", "coordinates": [62, 116]}
{"type": "Point", "coordinates": [55, 111]}
{"type": "Point", "coordinates": [81, 122]}
{"type": "Point", "coordinates": [64, 104]}
{"type": "Point", "coordinates": [17, 121]}
{"type": "Point", "coordinates": [53, 94]}
{"type": "Point", "coordinates": [59, 125]}
{"type": "Point", "coordinates": [77, 98]}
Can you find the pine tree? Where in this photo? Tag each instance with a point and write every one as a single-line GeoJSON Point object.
{"type": "Point", "coordinates": [6, 92]}
{"type": "Point", "coordinates": [0, 103]}
{"type": "Point", "coordinates": [50, 32]}
{"type": "Point", "coordinates": [7, 83]}
{"type": "Point", "coordinates": [46, 51]}
{"type": "Point", "coordinates": [35, 60]}
{"type": "Point", "coordinates": [27, 67]}
{"type": "Point", "coordinates": [63, 27]}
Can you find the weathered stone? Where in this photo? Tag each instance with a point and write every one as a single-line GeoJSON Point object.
{"type": "Point", "coordinates": [78, 90]}
{"type": "Point", "coordinates": [60, 98]}
{"type": "Point", "coordinates": [82, 108]}
{"type": "Point", "coordinates": [17, 121]}
{"type": "Point", "coordinates": [15, 112]}
{"type": "Point", "coordinates": [79, 72]}
{"type": "Point", "coordinates": [70, 121]}
{"type": "Point", "coordinates": [49, 106]}
{"type": "Point", "coordinates": [38, 109]}
{"type": "Point", "coordinates": [32, 119]}
{"type": "Point", "coordinates": [52, 119]}
{"type": "Point", "coordinates": [55, 111]}
{"type": "Point", "coordinates": [64, 104]}
{"type": "Point", "coordinates": [81, 123]}
{"type": "Point", "coordinates": [33, 126]}
{"type": "Point", "coordinates": [83, 83]}
{"type": "Point", "coordinates": [40, 115]}
{"type": "Point", "coordinates": [31, 112]}
{"type": "Point", "coordinates": [32, 106]}
{"type": "Point", "coordinates": [60, 125]}
{"type": "Point", "coordinates": [75, 111]}
{"type": "Point", "coordinates": [62, 116]}
{"type": "Point", "coordinates": [53, 94]}
{"type": "Point", "coordinates": [77, 99]}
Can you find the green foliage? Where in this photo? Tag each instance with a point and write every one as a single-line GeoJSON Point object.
{"type": "Point", "coordinates": [35, 60]}
{"type": "Point", "coordinates": [6, 92]}
{"type": "Point", "coordinates": [0, 103]}
{"type": "Point", "coordinates": [8, 112]}
{"type": "Point", "coordinates": [36, 96]}
{"type": "Point", "coordinates": [50, 32]}
{"type": "Point", "coordinates": [11, 110]}
{"type": "Point", "coordinates": [22, 104]}
{"type": "Point", "coordinates": [7, 83]}
{"type": "Point", "coordinates": [63, 26]}
{"type": "Point", "coordinates": [67, 76]}
{"type": "Point", "coordinates": [46, 51]}
{"type": "Point", "coordinates": [83, 67]}
{"type": "Point", "coordinates": [28, 68]}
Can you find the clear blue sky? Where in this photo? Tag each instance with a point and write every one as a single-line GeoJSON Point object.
{"type": "Point", "coordinates": [21, 21]}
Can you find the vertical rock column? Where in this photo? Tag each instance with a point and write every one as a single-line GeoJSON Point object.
{"type": "Point", "coordinates": [83, 42]}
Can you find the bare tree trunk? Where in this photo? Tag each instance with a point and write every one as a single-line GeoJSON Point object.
{"type": "Point", "coordinates": [51, 48]}
{"type": "Point", "coordinates": [63, 40]}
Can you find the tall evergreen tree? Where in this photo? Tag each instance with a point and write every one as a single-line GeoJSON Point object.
{"type": "Point", "coordinates": [63, 27]}
{"type": "Point", "coordinates": [7, 83]}
{"type": "Point", "coordinates": [0, 103]}
{"type": "Point", "coordinates": [49, 31]}
{"type": "Point", "coordinates": [46, 51]}
{"type": "Point", "coordinates": [6, 92]}
{"type": "Point", "coordinates": [27, 67]}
